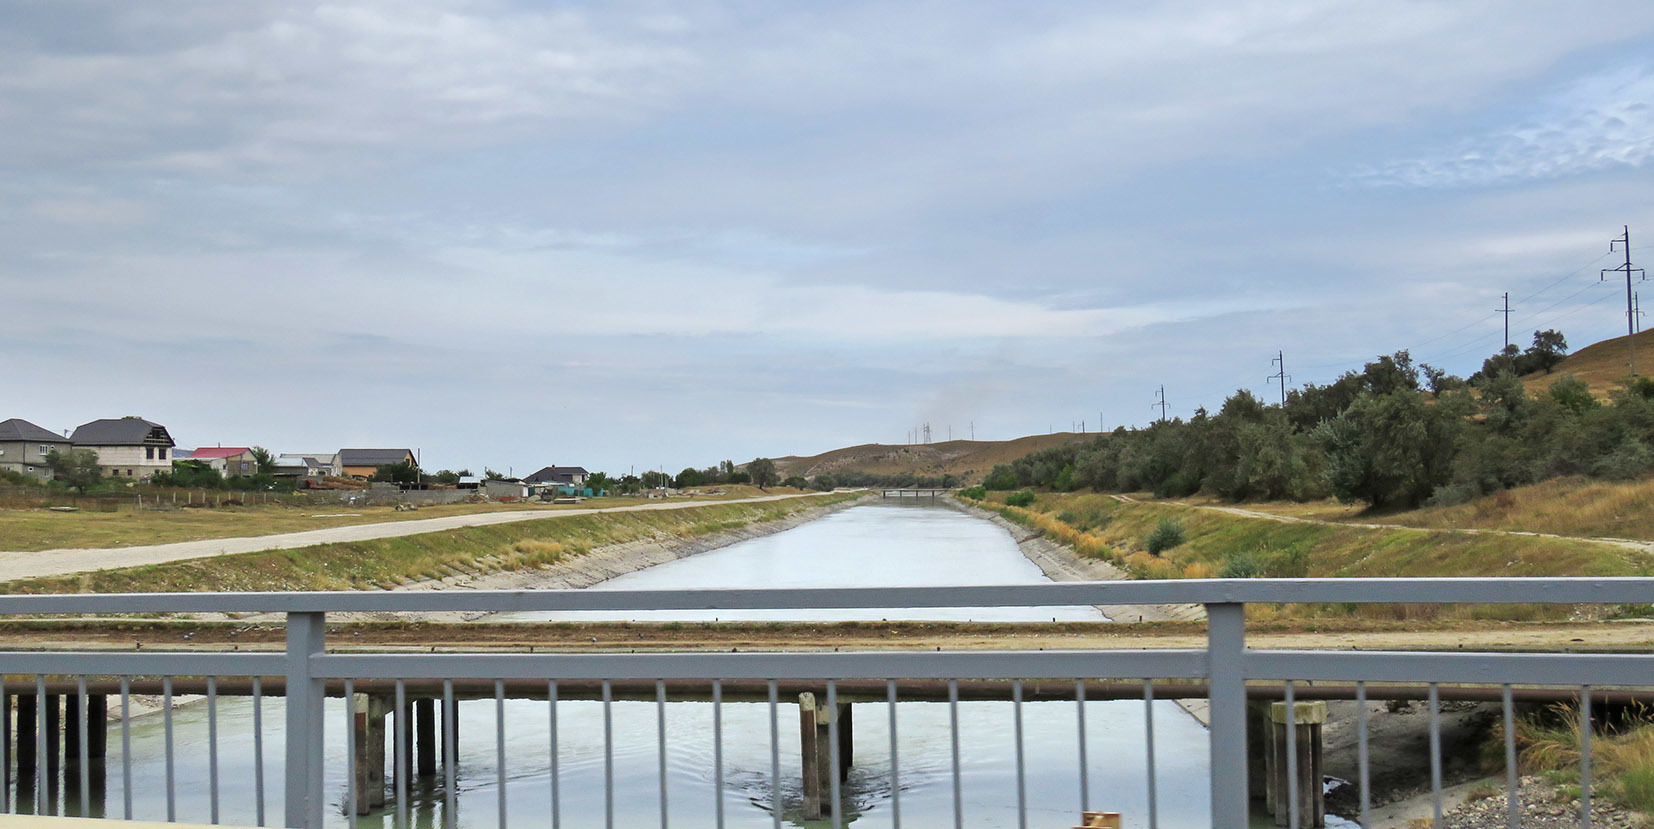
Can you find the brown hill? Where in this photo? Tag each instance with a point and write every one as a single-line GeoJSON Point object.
{"type": "Point", "coordinates": [970, 460]}
{"type": "Point", "coordinates": [1603, 365]}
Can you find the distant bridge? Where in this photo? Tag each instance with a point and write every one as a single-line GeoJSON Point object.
{"type": "Point", "coordinates": [917, 492]}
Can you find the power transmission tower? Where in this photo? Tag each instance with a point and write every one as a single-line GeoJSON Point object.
{"type": "Point", "coordinates": [927, 432]}
{"type": "Point", "coordinates": [973, 430]}
{"type": "Point", "coordinates": [1630, 302]}
{"type": "Point", "coordinates": [1161, 402]}
{"type": "Point", "coordinates": [1280, 357]}
{"type": "Point", "coordinates": [1637, 310]}
{"type": "Point", "coordinates": [1506, 311]}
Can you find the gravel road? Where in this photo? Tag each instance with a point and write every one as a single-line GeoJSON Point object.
{"type": "Point", "coordinates": [44, 563]}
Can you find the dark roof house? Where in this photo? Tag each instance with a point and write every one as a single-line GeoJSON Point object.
{"type": "Point", "coordinates": [573, 475]}
{"type": "Point", "coordinates": [121, 431]}
{"type": "Point", "coordinates": [19, 430]}
{"type": "Point", "coordinates": [374, 457]}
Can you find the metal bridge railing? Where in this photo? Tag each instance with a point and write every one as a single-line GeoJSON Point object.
{"type": "Point", "coordinates": [306, 673]}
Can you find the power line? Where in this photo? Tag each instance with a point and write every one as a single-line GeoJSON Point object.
{"type": "Point", "coordinates": [1280, 357]}
{"type": "Point", "coordinates": [1161, 402]}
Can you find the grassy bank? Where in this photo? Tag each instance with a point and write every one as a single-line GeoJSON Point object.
{"type": "Point", "coordinates": [23, 530]}
{"type": "Point", "coordinates": [389, 562]}
{"type": "Point", "coordinates": [1622, 755]}
{"type": "Point", "coordinates": [1215, 544]}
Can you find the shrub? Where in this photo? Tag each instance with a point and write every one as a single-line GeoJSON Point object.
{"type": "Point", "coordinates": [1020, 499]}
{"type": "Point", "coordinates": [975, 493]}
{"type": "Point", "coordinates": [1241, 565]}
{"type": "Point", "coordinates": [1167, 534]}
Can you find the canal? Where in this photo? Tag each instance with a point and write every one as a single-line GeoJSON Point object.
{"type": "Point", "coordinates": [881, 544]}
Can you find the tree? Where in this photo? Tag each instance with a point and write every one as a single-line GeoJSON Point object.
{"type": "Point", "coordinates": [449, 476]}
{"type": "Point", "coordinates": [491, 475]}
{"type": "Point", "coordinates": [656, 480]}
{"type": "Point", "coordinates": [689, 477]}
{"type": "Point", "coordinates": [265, 460]}
{"type": "Point", "coordinates": [1548, 349]}
{"type": "Point", "coordinates": [762, 471]}
{"type": "Point", "coordinates": [599, 482]}
{"type": "Point", "coordinates": [397, 473]}
{"type": "Point", "coordinates": [796, 482]}
{"type": "Point", "coordinates": [77, 467]}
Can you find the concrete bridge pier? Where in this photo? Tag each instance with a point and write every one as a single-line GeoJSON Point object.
{"type": "Point", "coordinates": [374, 731]}
{"type": "Point", "coordinates": [815, 735]}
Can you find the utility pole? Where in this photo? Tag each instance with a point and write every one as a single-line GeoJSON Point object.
{"type": "Point", "coordinates": [973, 430]}
{"type": "Point", "coordinates": [1161, 402]}
{"type": "Point", "coordinates": [1637, 310]}
{"type": "Point", "coordinates": [1280, 357]}
{"type": "Point", "coordinates": [927, 433]}
{"type": "Point", "coordinates": [1630, 301]}
{"type": "Point", "coordinates": [1506, 311]}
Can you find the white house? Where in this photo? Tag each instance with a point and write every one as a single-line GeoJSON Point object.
{"type": "Point", "coordinates": [127, 447]}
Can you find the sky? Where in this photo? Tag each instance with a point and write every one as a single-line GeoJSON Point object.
{"type": "Point", "coordinates": [657, 235]}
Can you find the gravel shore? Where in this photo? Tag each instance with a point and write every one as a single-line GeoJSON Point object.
{"type": "Point", "coordinates": [1542, 806]}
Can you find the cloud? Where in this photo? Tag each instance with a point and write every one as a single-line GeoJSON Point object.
{"type": "Point", "coordinates": [1603, 122]}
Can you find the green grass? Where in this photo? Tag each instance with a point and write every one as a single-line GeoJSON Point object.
{"type": "Point", "coordinates": [1547, 744]}
{"type": "Point", "coordinates": [389, 562]}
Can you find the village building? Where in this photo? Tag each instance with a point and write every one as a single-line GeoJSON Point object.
{"type": "Point", "coordinates": [230, 461]}
{"type": "Point", "coordinates": [128, 447]}
{"type": "Point", "coordinates": [24, 446]}
{"type": "Point", "coordinates": [362, 463]}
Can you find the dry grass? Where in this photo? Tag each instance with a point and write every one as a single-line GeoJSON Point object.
{"type": "Point", "coordinates": [1622, 759]}
{"type": "Point", "coordinates": [38, 529]}
{"type": "Point", "coordinates": [1603, 365]}
{"type": "Point", "coordinates": [388, 562]}
{"type": "Point", "coordinates": [1563, 506]}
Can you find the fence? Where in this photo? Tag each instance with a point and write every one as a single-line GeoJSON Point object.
{"type": "Point", "coordinates": [307, 672]}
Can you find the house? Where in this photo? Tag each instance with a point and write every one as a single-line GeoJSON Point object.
{"type": "Point", "coordinates": [230, 461]}
{"type": "Point", "coordinates": [507, 488]}
{"type": "Point", "coordinates": [362, 463]}
{"type": "Point", "coordinates": [23, 447]}
{"type": "Point", "coordinates": [574, 476]}
{"type": "Point", "coordinates": [316, 464]}
{"type": "Point", "coordinates": [127, 447]}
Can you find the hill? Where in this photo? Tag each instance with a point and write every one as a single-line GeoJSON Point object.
{"type": "Point", "coordinates": [969, 460]}
{"type": "Point", "coordinates": [1602, 364]}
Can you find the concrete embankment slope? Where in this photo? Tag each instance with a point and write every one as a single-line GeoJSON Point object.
{"type": "Point", "coordinates": [45, 563]}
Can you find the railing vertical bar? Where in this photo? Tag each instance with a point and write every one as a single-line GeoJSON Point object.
{"type": "Point", "coordinates": [352, 796]}
{"type": "Point", "coordinates": [1148, 742]}
{"type": "Point", "coordinates": [499, 745]}
{"type": "Point", "coordinates": [775, 755]}
{"type": "Point", "coordinates": [660, 730]}
{"type": "Point", "coordinates": [166, 712]}
{"type": "Point", "coordinates": [40, 742]}
{"type": "Point", "coordinates": [1022, 780]}
{"type": "Point", "coordinates": [85, 749]}
{"type": "Point", "coordinates": [556, 793]}
{"type": "Point", "coordinates": [718, 752]}
{"type": "Point", "coordinates": [895, 762]}
{"type": "Point", "coordinates": [258, 748]}
{"type": "Point", "coordinates": [212, 747]}
{"type": "Point", "coordinates": [1584, 757]}
{"type": "Point", "coordinates": [399, 743]}
{"type": "Point", "coordinates": [1513, 807]}
{"type": "Point", "coordinates": [953, 732]}
{"type": "Point", "coordinates": [1085, 769]}
{"type": "Point", "coordinates": [306, 795]}
{"type": "Point", "coordinates": [450, 759]}
{"type": "Point", "coordinates": [608, 757]}
{"type": "Point", "coordinates": [1435, 754]}
{"type": "Point", "coordinates": [126, 746]}
{"type": "Point", "coordinates": [5, 748]}
{"type": "Point", "coordinates": [1363, 757]}
{"type": "Point", "coordinates": [1226, 656]}
{"type": "Point", "coordinates": [1291, 757]}
{"type": "Point", "coordinates": [833, 754]}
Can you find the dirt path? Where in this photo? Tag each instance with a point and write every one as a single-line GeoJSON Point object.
{"type": "Point", "coordinates": [1624, 543]}
{"type": "Point", "coordinates": [28, 565]}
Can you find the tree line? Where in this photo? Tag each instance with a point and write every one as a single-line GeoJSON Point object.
{"type": "Point", "coordinates": [1393, 434]}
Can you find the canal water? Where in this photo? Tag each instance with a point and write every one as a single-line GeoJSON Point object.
{"type": "Point", "coordinates": [868, 545]}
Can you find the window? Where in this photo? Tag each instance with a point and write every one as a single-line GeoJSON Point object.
{"type": "Point", "coordinates": [44, 449]}
{"type": "Point", "coordinates": [149, 453]}
{"type": "Point", "coordinates": [163, 453]}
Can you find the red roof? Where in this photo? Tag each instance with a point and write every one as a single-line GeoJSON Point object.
{"type": "Point", "coordinates": [218, 452]}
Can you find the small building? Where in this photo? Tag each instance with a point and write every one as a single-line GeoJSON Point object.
{"type": "Point", "coordinates": [316, 464]}
{"type": "Point", "coordinates": [128, 447]}
{"type": "Point", "coordinates": [230, 461]}
{"type": "Point", "coordinates": [507, 488]}
{"type": "Point", "coordinates": [24, 446]}
{"type": "Point", "coordinates": [567, 476]}
{"type": "Point", "coordinates": [362, 463]}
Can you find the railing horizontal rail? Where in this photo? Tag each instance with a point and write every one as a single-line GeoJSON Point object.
{"type": "Point", "coordinates": [1466, 668]}
{"type": "Point", "coordinates": [818, 666]}
{"type": "Point", "coordinates": [139, 663]}
{"type": "Point", "coordinates": [1179, 591]}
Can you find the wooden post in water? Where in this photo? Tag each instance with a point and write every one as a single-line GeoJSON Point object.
{"type": "Point", "coordinates": [97, 728]}
{"type": "Point", "coordinates": [815, 744]}
{"type": "Point", "coordinates": [1308, 718]}
{"type": "Point", "coordinates": [425, 731]}
{"type": "Point", "coordinates": [370, 750]}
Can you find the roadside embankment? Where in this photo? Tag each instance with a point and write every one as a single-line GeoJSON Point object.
{"type": "Point", "coordinates": [1062, 563]}
{"type": "Point", "coordinates": [622, 541]}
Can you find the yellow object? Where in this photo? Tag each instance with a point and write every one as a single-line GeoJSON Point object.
{"type": "Point", "coordinates": [1099, 820]}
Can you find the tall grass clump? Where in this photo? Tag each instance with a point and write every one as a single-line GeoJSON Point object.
{"type": "Point", "coordinates": [1622, 756]}
{"type": "Point", "coordinates": [1020, 499]}
{"type": "Point", "coordinates": [974, 493]}
{"type": "Point", "coordinates": [1167, 534]}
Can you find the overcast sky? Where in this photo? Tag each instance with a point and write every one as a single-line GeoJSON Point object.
{"type": "Point", "coordinates": [617, 235]}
